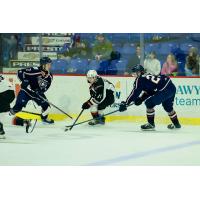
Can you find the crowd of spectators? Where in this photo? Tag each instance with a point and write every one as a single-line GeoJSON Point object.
{"type": "Point", "coordinates": [104, 53]}
{"type": "Point", "coordinates": [78, 49]}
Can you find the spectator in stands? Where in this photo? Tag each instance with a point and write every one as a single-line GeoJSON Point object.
{"type": "Point", "coordinates": [134, 60]}
{"type": "Point", "coordinates": [192, 62]}
{"type": "Point", "coordinates": [152, 64]}
{"type": "Point", "coordinates": [170, 66]}
{"type": "Point", "coordinates": [79, 49]}
{"type": "Point", "coordinates": [102, 48]}
{"type": "Point", "coordinates": [108, 67]}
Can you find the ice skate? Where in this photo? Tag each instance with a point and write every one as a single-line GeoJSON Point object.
{"type": "Point", "coordinates": [45, 120]}
{"type": "Point", "coordinates": [27, 124]}
{"type": "Point", "coordinates": [148, 127]}
{"type": "Point", "coordinates": [174, 126]}
{"type": "Point", "coordinates": [2, 133]}
{"type": "Point", "coordinates": [97, 121]}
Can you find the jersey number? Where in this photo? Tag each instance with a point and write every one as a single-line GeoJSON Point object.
{"type": "Point", "coordinates": [152, 78]}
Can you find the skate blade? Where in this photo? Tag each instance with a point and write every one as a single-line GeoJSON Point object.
{"type": "Point", "coordinates": [173, 129]}
{"type": "Point", "coordinates": [96, 124]}
{"type": "Point", "coordinates": [152, 129]}
{"type": "Point", "coordinates": [45, 123]}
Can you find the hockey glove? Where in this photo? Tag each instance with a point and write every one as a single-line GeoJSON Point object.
{"type": "Point", "coordinates": [86, 105]}
{"type": "Point", "coordinates": [138, 101]}
{"type": "Point", "coordinates": [122, 106]}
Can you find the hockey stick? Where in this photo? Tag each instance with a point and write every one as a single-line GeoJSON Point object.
{"type": "Point", "coordinates": [71, 127]}
{"type": "Point", "coordinates": [77, 117]}
{"type": "Point", "coordinates": [67, 127]}
{"type": "Point", "coordinates": [24, 111]}
{"type": "Point", "coordinates": [54, 105]}
{"type": "Point", "coordinates": [27, 127]}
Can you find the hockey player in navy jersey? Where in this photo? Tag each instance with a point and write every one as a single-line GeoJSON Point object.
{"type": "Point", "coordinates": [102, 96]}
{"type": "Point", "coordinates": [153, 90]}
{"type": "Point", "coordinates": [35, 81]}
{"type": "Point", "coordinates": [7, 95]}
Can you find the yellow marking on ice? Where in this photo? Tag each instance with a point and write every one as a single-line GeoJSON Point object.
{"type": "Point", "coordinates": [139, 119]}
{"type": "Point", "coordinates": [56, 117]}
{"type": "Point", "coordinates": [27, 116]}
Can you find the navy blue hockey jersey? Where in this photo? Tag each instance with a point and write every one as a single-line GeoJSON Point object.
{"type": "Point", "coordinates": [35, 79]}
{"type": "Point", "coordinates": [148, 83]}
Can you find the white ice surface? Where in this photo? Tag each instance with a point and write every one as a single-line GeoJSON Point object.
{"type": "Point", "coordinates": [116, 143]}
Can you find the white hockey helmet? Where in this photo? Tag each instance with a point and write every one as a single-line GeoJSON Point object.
{"type": "Point", "coordinates": [92, 74]}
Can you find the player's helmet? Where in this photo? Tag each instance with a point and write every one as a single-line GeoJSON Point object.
{"type": "Point", "coordinates": [45, 60]}
{"type": "Point", "coordinates": [138, 68]}
{"type": "Point", "coordinates": [92, 74]}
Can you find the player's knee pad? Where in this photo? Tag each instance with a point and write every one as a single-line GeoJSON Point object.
{"type": "Point", "coordinates": [168, 108]}
{"type": "Point", "coordinates": [149, 103]}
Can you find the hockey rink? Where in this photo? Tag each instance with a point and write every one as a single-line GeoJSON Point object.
{"type": "Point", "coordinates": [116, 143]}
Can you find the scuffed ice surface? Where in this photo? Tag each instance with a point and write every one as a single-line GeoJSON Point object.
{"type": "Point", "coordinates": [116, 143]}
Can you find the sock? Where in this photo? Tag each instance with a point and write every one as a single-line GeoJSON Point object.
{"type": "Point", "coordinates": [95, 114]}
{"type": "Point", "coordinates": [44, 117]}
{"type": "Point", "coordinates": [173, 117]}
{"type": "Point", "coordinates": [150, 116]}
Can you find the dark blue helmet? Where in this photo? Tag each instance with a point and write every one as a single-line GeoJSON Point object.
{"type": "Point", "coordinates": [45, 60]}
{"type": "Point", "coordinates": [138, 68]}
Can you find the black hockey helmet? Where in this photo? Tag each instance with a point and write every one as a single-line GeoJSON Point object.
{"type": "Point", "coordinates": [138, 68]}
{"type": "Point", "coordinates": [45, 60]}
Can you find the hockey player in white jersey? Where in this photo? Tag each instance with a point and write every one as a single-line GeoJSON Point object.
{"type": "Point", "coordinates": [7, 95]}
{"type": "Point", "coordinates": [102, 96]}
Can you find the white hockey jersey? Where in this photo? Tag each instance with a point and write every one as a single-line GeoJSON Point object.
{"type": "Point", "coordinates": [99, 89]}
{"type": "Point", "coordinates": [4, 84]}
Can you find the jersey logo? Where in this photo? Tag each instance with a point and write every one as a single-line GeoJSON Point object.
{"type": "Point", "coordinates": [99, 96]}
{"type": "Point", "coordinates": [42, 83]}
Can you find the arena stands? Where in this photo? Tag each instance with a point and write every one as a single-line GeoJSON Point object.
{"type": "Point", "coordinates": [22, 50]}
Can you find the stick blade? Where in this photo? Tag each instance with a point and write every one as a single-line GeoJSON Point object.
{"type": "Point", "coordinates": [67, 128]}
